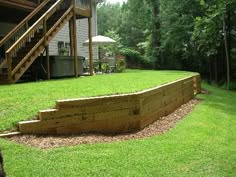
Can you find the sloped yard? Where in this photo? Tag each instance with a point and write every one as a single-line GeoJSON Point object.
{"type": "Point", "coordinates": [202, 144]}
{"type": "Point", "coordinates": [23, 101]}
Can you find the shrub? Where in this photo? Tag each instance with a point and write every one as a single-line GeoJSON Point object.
{"type": "Point", "coordinates": [105, 67]}
{"type": "Point", "coordinates": [120, 65]}
{"type": "Point", "coordinates": [134, 59]}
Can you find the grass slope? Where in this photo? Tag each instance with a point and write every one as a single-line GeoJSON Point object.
{"type": "Point", "coordinates": [22, 101]}
{"type": "Point", "coordinates": [203, 144]}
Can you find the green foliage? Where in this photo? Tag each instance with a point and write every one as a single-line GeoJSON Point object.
{"type": "Point", "coordinates": [120, 65]}
{"type": "Point", "coordinates": [136, 18]}
{"type": "Point", "coordinates": [109, 17]}
{"type": "Point", "coordinates": [202, 144]}
{"type": "Point", "coordinates": [131, 55]}
{"type": "Point", "coordinates": [63, 51]}
{"type": "Point", "coordinates": [178, 34]}
{"type": "Point", "coordinates": [177, 24]}
{"type": "Point", "coordinates": [113, 49]}
{"type": "Point", "coordinates": [207, 33]}
{"type": "Point", "coordinates": [134, 59]}
{"type": "Point", "coordinates": [130, 20]}
{"type": "Point", "coordinates": [104, 67]}
{"type": "Point", "coordinates": [23, 101]}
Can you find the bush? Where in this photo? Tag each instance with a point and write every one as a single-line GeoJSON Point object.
{"type": "Point", "coordinates": [134, 59]}
{"type": "Point", "coordinates": [105, 67]}
{"type": "Point", "coordinates": [120, 65]}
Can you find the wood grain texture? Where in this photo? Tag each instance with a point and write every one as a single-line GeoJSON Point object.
{"type": "Point", "coordinates": [115, 113]}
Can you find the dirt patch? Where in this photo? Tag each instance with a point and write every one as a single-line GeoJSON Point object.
{"type": "Point", "coordinates": [161, 126]}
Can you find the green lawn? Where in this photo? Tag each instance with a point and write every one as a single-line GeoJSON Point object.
{"type": "Point", "coordinates": [202, 144]}
{"type": "Point", "coordinates": [23, 101]}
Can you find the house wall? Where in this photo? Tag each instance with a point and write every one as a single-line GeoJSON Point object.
{"type": "Point", "coordinates": [82, 35]}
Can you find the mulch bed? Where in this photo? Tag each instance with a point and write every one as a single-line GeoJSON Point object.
{"type": "Point", "coordinates": [159, 127]}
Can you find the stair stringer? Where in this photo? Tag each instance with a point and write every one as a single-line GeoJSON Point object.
{"type": "Point", "coordinates": [28, 60]}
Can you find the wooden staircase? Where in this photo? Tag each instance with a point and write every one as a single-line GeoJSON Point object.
{"type": "Point", "coordinates": [27, 41]}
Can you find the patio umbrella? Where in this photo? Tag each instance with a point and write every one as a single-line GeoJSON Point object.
{"type": "Point", "coordinates": [99, 41]}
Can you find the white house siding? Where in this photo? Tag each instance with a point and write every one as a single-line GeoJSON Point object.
{"type": "Point", "coordinates": [82, 35]}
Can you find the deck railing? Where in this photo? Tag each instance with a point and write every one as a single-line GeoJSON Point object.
{"type": "Point", "coordinates": [39, 25]}
{"type": "Point", "coordinates": [19, 30]}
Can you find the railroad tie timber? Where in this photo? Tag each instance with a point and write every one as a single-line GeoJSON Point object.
{"type": "Point", "coordinates": [115, 113]}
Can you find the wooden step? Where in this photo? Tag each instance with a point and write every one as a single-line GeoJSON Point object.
{"type": "Point", "coordinates": [22, 53]}
{"type": "Point", "coordinates": [41, 12]}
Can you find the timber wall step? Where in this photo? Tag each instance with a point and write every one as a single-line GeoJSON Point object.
{"type": "Point", "coordinates": [113, 114]}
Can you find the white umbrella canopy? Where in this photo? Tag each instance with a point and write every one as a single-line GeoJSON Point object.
{"type": "Point", "coordinates": [100, 40]}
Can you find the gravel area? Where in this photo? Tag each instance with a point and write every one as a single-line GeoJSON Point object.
{"type": "Point", "coordinates": [161, 126]}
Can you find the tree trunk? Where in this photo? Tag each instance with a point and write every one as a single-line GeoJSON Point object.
{"type": "Point", "coordinates": [216, 70]}
{"type": "Point", "coordinates": [2, 173]}
{"type": "Point", "coordinates": [229, 38]}
{"type": "Point", "coordinates": [227, 54]}
{"type": "Point", "coordinates": [156, 30]}
{"type": "Point", "coordinates": [210, 72]}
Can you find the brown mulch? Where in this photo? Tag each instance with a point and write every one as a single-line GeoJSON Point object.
{"type": "Point", "coordinates": [161, 126]}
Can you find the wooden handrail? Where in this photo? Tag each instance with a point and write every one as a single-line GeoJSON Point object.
{"type": "Point", "coordinates": [41, 41]}
{"type": "Point", "coordinates": [45, 16]}
{"type": "Point", "coordinates": [58, 22]}
{"type": "Point", "coordinates": [23, 23]}
{"type": "Point", "coordinates": [39, 32]}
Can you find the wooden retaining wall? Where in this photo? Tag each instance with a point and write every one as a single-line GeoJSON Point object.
{"type": "Point", "coordinates": [113, 114]}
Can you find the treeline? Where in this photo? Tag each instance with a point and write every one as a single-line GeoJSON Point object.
{"type": "Point", "coordinates": [196, 35]}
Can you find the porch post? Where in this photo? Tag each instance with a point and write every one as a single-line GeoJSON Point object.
{"type": "Point", "coordinates": [72, 47]}
{"type": "Point", "coordinates": [9, 67]}
{"type": "Point", "coordinates": [48, 63]}
{"type": "Point", "coordinates": [90, 46]}
{"type": "Point", "coordinates": [73, 36]}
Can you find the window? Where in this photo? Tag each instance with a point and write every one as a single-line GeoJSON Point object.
{"type": "Point", "coordinates": [63, 48]}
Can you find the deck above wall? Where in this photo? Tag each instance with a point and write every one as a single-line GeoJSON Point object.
{"type": "Point", "coordinates": [82, 13]}
{"type": "Point", "coordinates": [13, 11]}
{"type": "Point", "coordinates": [83, 9]}
{"type": "Point", "coordinates": [31, 37]}
{"type": "Point", "coordinates": [113, 114]}
{"type": "Point", "coordinates": [19, 4]}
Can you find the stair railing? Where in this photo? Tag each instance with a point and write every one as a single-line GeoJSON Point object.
{"type": "Point", "coordinates": [40, 24]}
{"type": "Point", "coordinates": [19, 30]}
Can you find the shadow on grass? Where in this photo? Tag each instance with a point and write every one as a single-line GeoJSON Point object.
{"type": "Point", "coordinates": [219, 99]}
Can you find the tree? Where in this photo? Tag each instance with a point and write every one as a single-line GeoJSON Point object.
{"type": "Point", "coordinates": [155, 44]}
{"type": "Point", "coordinates": [135, 23]}
{"type": "Point", "coordinates": [113, 49]}
{"type": "Point", "coordinates": [196, 35]}
{"type": "Point", "coordinates": [212, 31]}
{"type": "Point", "coordinates": [109, 17]}
{"type": "Point", "coordinates": [177, 24]}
